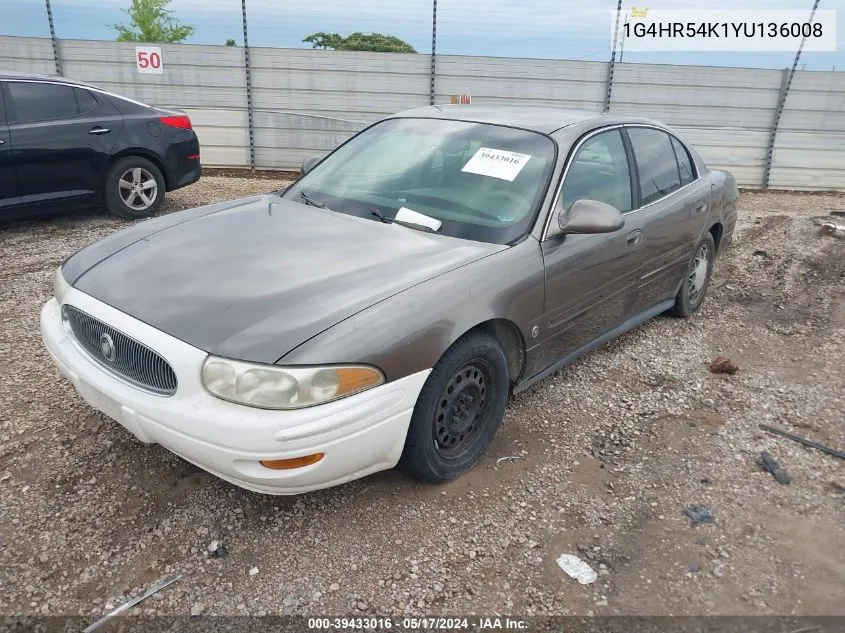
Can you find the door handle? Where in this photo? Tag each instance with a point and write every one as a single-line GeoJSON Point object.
{"type": "Point", "coordinates": [701, 207]}
{"type": "Point", "coordinates": [634, 238]}
{"type": "Point", "coordinates": [2, 142]}
{"type": "Point", "coordinates": [98, 130]}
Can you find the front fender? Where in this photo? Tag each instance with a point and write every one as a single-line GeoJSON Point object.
{"type": "Point", "coordinates": [410, 331]}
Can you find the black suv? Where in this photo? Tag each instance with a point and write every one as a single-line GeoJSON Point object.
{"type": "Point", "coordinates": [65, 142]}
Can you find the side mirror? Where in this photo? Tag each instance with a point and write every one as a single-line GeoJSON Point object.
{"type": "Point", "coordinates": [309, 163]}
{"type": "Point", "coordinates": [590, 216]}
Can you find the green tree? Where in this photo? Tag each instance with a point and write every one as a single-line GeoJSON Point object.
{"type": "Point", "coordinates": [231, 42]}
{"type": "Point", "coordinates": [359, 42]}
{"type": "Point", "coordinates": [150, 21]}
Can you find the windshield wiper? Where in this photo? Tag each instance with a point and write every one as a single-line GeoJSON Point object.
{"type": "Point", "coordinates": [314, 203]}
{"type": "Point", "coordinates": [410, 225]}
{"type": "Point", "coordinates": [379, 215]}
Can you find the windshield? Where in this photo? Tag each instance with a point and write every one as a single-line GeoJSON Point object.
{"type": "Point", "coordinates": [472, 180]}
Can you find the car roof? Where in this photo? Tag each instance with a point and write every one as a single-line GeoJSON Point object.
{"type": "Point", "coordinates": [536, 118]}
{"type": "Point", "coordinates": [12, 74]}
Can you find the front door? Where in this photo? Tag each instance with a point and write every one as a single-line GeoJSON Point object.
{"type": "Point", "coordinates": [61, 138]}
{"type": "Point", "coordinates": [590, 278]}
{"type": "Point", "coordinates": [8, 184]}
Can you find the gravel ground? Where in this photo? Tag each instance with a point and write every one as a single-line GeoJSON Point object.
{"type": "Point", "coordinates": [614, 448]}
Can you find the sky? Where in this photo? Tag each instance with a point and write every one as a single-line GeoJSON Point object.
{"type": "Point", "coordinates": [555, 29]}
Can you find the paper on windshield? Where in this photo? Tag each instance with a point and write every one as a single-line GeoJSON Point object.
{"type": "Point", "coordinates": [496, 163]}
{"type": "Point", "coordinates": [407, 215]}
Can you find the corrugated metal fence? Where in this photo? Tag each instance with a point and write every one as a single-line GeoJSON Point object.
{"type": "Point", "coordinates": [309, 101]}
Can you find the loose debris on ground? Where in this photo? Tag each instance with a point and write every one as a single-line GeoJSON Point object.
{"type": "Point", "coordinates": [768, 463]}
{"type": "Point", "coordinates": [699, 514]}
{"type": "Point", "coordinates": [577, 569]}
{"type": "Point", "coordinates": [723, 365]}
{"type": "Point", "coordinates": [804, 441]}
{"type": "Point", "coordinates": [508, 458]}
{"type": "Point", "coordinates": [836, 230]}
{"type": "Point", "coordinates": [616, 445]}
{"type": "Point", "coordinates": [131, 603]}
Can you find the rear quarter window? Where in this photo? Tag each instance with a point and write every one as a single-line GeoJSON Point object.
{"type": "Point", "coordinates": [656, 163]}
{"type": "Point", "coordinates": [684, 162]}
{"type": "Point", "coordinates": [85, 100]}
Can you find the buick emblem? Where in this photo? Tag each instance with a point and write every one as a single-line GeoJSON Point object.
{"type": "Point", "coordinates": [107, 347]}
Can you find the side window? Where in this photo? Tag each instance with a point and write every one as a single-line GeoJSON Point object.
{"type": "Point", "coordinates": [684, 162]}
{"type": "Point", "coordinates": [656, 163]}
{"type": "Point", "coordinates": [85, 100]}
{"type": "Point", "coordinates": [42, 101]}
{"type": "Point", "coordinates": [600, 172]}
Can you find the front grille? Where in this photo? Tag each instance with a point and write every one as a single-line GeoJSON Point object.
{"type": "Point", "coordinates": [121, 354]}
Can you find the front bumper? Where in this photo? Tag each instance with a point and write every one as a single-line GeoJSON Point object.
{"type": "Point", "coordinates": [359, 435]}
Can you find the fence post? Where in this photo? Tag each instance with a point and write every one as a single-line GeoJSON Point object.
{"type": "Point", "coordinates": [770, 146]}
{"type": "Point", "coordinates": [56, 58]}
{"type": "Point", "coordinates": [250, 123]}
{"type": "Point", "coordinates": [612, 63]}
{"type": "Point", "coordinates": [786, 82]}
{"type": "Point", "coordinates": [433, 50]}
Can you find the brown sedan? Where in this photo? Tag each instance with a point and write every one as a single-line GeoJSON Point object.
{"type": "Point", "coordinates": [380, 310]}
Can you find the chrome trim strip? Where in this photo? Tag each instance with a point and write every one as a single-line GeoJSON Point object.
{"type": "Point", "coordinates": [75, 85]}
{"type": "Point", "coordinates": [595, 132]}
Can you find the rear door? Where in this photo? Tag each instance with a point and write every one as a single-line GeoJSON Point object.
{"type": "Point", "coordinates": [590, 278]}
{"type": "Point", "coordinates": [8, 185]}
{"type": "Point", "coordinates": [673, 209]}
{"type": "Point", "coordinates": [61, 138]}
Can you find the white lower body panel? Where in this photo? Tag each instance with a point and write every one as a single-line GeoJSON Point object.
{"type": "Point", "coordinates": [359, 435]}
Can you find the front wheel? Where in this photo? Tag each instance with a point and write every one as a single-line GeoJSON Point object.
{"type": "Point", "coordinates": [697, 279]}
{"type": "Point", "coordinates": [134, 188]}
{"type": "Point", "coordinates": [458, 411]}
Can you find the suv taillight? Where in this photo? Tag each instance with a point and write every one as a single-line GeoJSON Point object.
{"type": "Point", "coordinates": [182, 120]}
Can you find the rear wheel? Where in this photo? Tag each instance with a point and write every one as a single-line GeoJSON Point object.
{"type": "Point", "coordinates": [134, 188]}
{"type": "Point", "coordinates": [697, 280]}
{"type": "Point", "coordinates": [458, 411]}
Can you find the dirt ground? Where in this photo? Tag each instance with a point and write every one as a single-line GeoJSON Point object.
{"type": "Point", "coordinates": [614, 448]}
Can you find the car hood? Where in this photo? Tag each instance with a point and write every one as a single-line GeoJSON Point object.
{"type": "Point", "coordinates": [253, 279]}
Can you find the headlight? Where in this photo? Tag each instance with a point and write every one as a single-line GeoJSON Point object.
{"type": "Point", "coordinates": [60, 286]}
{"type": "Point", "coordinates": [272, 387]}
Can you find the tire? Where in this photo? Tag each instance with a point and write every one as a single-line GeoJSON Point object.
{"type": "Point", "coordinates": [458, 411]}
{"type": "Point", "coordinates": [691, 295]}
{"type": "Point", "coordinates": [120, 181]}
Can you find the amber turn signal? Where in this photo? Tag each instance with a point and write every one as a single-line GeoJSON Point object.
{"type": "Point", "coordinates": [294, 462]}
{"type": "Point", "coordinates": [355, 379]}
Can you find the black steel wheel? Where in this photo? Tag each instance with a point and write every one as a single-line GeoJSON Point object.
{"type": "Point", "coordinates": [458, 410]}
{"type": "Point", "coordinates": [463, 409]}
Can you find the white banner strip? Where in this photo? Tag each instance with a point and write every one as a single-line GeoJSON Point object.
{"type": "Point", "coordinates": [642, 29]}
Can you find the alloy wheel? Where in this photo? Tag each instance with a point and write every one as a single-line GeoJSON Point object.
{"type": "Point", "coordinates": [137, 188]}
{"type": "Point", "coordinates": [698, 274]}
